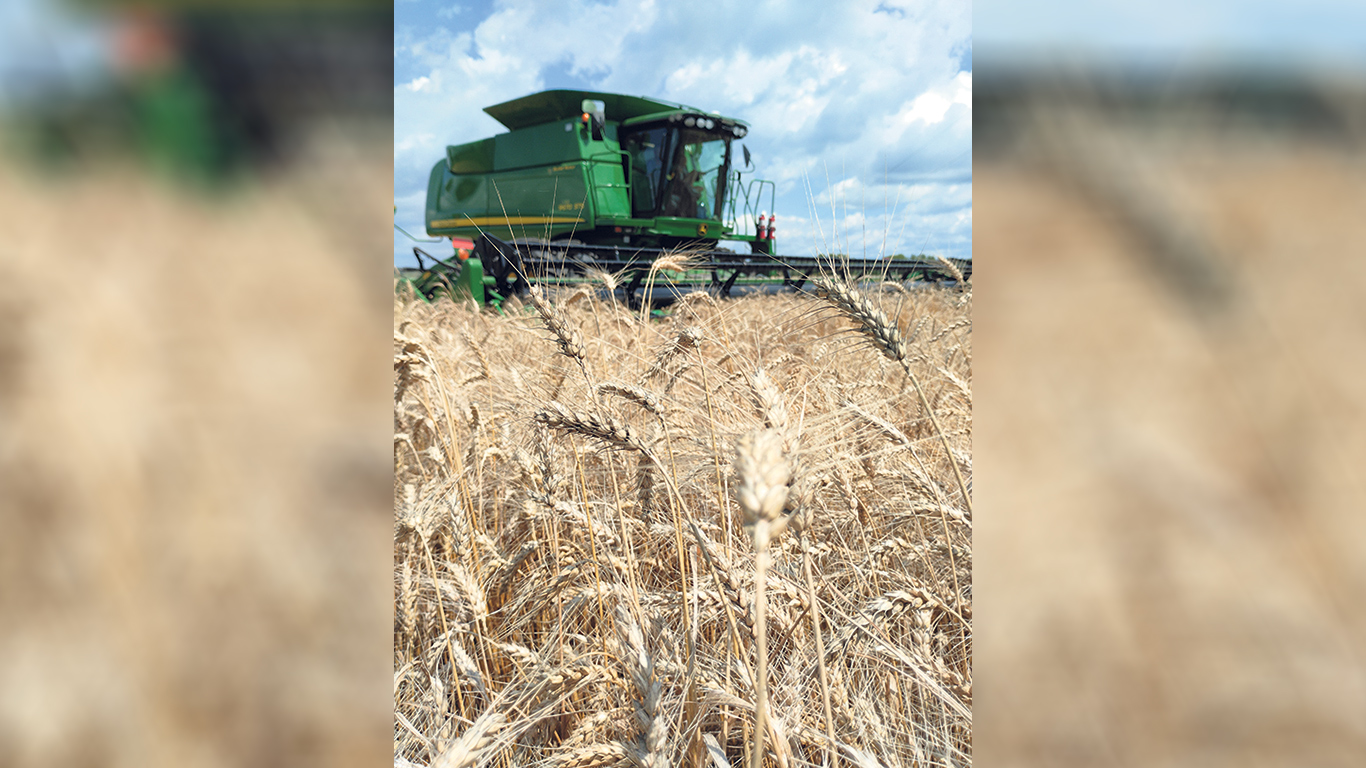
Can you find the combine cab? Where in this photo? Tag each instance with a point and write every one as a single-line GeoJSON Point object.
{"type": "Point", "coordinates": [587, 180]}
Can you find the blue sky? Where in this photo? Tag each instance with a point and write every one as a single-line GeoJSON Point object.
{"type": "Point", "coordinates": [861, 112]}
{"type": "Point", "coordinates": [43, 47]}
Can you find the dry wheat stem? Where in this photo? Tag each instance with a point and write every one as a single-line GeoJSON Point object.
{"type": "Point", "coordinates": [820, 646]}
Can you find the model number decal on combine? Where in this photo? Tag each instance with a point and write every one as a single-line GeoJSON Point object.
{"type": "Point", "coordinates": [559, 168]}
{"type": "Point", "coordinates": [569, 207]}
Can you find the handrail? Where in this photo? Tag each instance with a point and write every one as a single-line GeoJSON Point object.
{"type": "Point", "coordinates": [750, 207]}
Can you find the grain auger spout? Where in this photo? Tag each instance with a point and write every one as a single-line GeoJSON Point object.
{"type": "Point", "coordinates": [587, 183]}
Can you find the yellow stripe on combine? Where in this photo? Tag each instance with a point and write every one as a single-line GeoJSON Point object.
{"type": "Point", "coordinates": [486, 221]}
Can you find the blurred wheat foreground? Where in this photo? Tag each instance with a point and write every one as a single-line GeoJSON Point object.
{"type": "Point", "coordinates": [737, 536]}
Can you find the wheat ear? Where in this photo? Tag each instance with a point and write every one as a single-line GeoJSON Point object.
{"type": "Point", "coordinates": [568, 337]}
{"type": "Point", "coordinates": [600, 426]}
{"type": "Point", "coordinates": [653, 733]}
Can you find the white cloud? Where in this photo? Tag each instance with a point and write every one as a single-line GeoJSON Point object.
{"type": "Point", "coordinates": [929, 108]}
{"type": "Point", "coordinates": [420, 140]}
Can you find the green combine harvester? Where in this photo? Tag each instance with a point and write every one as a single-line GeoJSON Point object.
{"type": "Point", "coordinates": [600, 181]}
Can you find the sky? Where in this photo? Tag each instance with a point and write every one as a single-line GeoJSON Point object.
{"type": "Point", "coordinates": [44, 47]}
{"type": "Point", "coordinates": [1314, 34]}
{"type": "Point", "coordinates": [860, 112]}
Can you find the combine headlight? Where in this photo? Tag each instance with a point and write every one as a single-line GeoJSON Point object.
{"type": "Point", "coordinates": [690, 122]}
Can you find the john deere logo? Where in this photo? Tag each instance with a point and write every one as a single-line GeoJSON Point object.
{"type": "Point", "coordinates": [701, 230]}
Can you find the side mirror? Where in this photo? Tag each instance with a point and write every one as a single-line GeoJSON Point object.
{"type": "Point", "coordinates": [749, 161]}
{"type": "Point", "coordinates": [595, 114]}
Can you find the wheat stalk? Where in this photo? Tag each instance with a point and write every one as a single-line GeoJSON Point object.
{"type": "Point", "coordinates": [764, 473]}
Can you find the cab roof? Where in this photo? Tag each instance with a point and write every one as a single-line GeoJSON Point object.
{"type": "Point", "coordinates": [549, 106]}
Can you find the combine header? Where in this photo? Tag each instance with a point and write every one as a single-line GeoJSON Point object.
{"type": "Point", "coordinates": [599, 181]}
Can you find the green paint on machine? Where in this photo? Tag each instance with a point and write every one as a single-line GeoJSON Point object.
{"type": "Point", "coordinates": [603, 169]}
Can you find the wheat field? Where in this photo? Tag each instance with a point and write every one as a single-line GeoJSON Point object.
{"type": "Point", "coordinates": [1170, 550]}
{"type": "Point", "coordinates": [193, 469]}
{"type": "Point", "coordinates": [741, 531]}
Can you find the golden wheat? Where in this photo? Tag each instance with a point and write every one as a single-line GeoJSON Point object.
{"type": "Point", "coordinates": [609, 558]}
